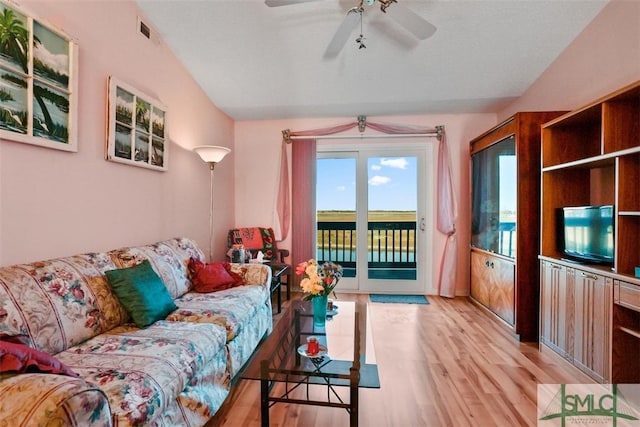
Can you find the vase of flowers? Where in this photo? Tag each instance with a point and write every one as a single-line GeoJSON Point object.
{"type": "Point", "coordinates": [318, 282]}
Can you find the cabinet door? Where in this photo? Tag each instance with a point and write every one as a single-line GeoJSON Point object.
{"type": "Point", "coordinates": [480, 284]}
{"type": "Point", "coordinates": [492, 284]}
{"type": "Point", "coordinates": [592, 334]}
{"type": "Point", "coordinates": [556, 309]}
{"type": "Point", "coordinates": [501, 300]}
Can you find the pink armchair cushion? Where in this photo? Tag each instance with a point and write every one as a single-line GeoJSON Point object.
{"type": "Point", "coordinates": [212, 277]}
{"type": "Point", "coordinates": [255, 239]}
{"type": "Point", "coordinates": [20, 358]}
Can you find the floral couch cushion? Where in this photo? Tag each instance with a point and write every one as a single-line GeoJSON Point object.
{"type": "Point", "coordinates": [143, 371]}
{"type": "Point", "coordinates": [48, 399]}
{"type": "Point", "coordinates": [230, 308]}
{"type": "Point", "coordinates": [58, 303]}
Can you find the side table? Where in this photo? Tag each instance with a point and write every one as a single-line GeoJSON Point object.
{"type": "Point", "coordinates": [278, 271]}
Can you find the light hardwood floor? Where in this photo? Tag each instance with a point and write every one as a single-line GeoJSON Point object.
{"type": "Point", "coordinates": [442, 364]}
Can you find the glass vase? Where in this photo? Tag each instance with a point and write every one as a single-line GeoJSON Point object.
{"type": "Point", "coordinates": [319, 310]}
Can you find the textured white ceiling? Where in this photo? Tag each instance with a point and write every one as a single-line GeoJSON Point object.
{"type": "Point", "coordinates": [259, 62]}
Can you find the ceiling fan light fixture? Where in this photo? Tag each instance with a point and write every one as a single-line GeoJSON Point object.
{"type": "Point", "coordinates": [408, 19]}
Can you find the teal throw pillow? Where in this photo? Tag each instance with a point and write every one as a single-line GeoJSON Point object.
{"type": "Point", "coordinates": [142, 293]}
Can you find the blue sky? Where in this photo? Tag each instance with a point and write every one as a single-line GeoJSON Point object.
{"type": "Point", "coordinates": [391, 182]}
{"type": "Point", "coordinates": [508, 183]}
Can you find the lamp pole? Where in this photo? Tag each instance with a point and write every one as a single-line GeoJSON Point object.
{"type": "Point", "coordinates": [211, 154]}
{"type": "Point", "coordinates": [211, 167]}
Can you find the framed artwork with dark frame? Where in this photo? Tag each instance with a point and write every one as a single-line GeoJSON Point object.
{"type": "Point", "coordinates": [38, 82]}
{"type": "Point", "coordinates": [137, 131]}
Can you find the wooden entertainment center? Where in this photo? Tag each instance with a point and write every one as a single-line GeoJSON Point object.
{"type": "Point", "coordinates": [505, 192]}
{"type": "Point", "coordinates": [589, 313]}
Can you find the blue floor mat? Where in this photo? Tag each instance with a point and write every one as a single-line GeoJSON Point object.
{"type": "Point", "coordinates": [399, 299]}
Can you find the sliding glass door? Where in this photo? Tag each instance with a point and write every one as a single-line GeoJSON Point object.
{"type": "Point", "coordinates": [371, 215]}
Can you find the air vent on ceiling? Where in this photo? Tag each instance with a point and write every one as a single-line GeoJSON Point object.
{"type": "Point", "coordinates": [147, 32]}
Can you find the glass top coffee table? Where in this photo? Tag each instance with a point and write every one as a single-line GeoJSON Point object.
{"type": "Point", "coordinates": [346, 359]}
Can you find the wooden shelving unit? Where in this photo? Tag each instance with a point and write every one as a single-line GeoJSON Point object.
{"type": "Point", "coordinates": [591, 156]}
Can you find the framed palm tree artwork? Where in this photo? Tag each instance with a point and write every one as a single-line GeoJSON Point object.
{"type": "Point", "coordinates": [38, 82]}
{"type": "Point", "coordinates": [137, 131]}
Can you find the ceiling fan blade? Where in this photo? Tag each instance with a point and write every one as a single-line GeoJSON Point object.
{"type": "Point", "coordinates": [411, 21]}
{"type": "Point", "coordinates": [342, 34]}
{"type": "Point", "coordinates": [276, 3]}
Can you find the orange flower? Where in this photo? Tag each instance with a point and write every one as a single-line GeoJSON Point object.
{"type": "Point", "coordinates": [318, 280]}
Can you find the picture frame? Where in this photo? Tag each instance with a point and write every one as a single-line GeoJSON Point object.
{"type": "Point", "coordinates": [38, 82]}
{"type": "Point", "coordinates": [137, 128]}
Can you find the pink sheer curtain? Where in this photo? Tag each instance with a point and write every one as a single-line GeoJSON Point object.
{"type": "Point", "coordinates": [283, 203]}
{"type": "Point", "coordinates": [447, 217]}
{"type": "Point", "coordinates": [303, 191]}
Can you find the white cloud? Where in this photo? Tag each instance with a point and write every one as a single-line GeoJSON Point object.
{"type": "Point", "coordinates": [59, 62]}
{"type": "Point", "coordinates": [376, 167]}
{"type": "Point", "coordinates": [341, 188]}
{"type": "Point", "coordinates": [379, 180]}
{"type": "Point", "coordinates": [399, 163]}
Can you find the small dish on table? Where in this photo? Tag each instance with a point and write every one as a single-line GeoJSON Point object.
{"type": "Point", "coordinates": [322, 352]}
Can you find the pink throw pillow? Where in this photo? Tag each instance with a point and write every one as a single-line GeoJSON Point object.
{"type": "Point", "coordinates": [20, 358]}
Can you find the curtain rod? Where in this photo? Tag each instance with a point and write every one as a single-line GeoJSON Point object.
{"type": "Point", "coordinates": [361, 136]}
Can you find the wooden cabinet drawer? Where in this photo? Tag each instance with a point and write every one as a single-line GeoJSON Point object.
{"type": "Point", "coordinates": [627, 295]}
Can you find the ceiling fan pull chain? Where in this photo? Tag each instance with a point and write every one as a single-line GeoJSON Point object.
{"type": "Point", "coordinates": [360, 40]}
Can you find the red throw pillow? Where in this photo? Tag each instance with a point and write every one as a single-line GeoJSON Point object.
{"type": "Point", "coordinates": [212, 277]}
{"type": "Point", "coordinates": [20, 358]}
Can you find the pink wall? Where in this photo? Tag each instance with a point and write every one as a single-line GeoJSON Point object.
{"type": "Point", "coordinates": [602, 59]}
{"type": "Point", "coordinates": [55, 203]}
{"type": "Point", "coordinates": [605, 57]}
{"type": "Point", "coordinates": [259, 142]}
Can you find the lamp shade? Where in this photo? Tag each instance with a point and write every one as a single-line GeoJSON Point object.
{"type": "Point", "coordinates": [212, 153]}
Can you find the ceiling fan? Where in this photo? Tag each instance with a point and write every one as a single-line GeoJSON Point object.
{"type": "Point", "coordinates": [411, 21]}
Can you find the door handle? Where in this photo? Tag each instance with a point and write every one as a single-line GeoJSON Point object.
{"type": "Point", "coordinates": [422, 224]}
{"type": "Point", "coordinates": [589, 276]}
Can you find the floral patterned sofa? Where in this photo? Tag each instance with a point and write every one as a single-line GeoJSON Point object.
{"type": "Point", "coordinates": [175, 372]}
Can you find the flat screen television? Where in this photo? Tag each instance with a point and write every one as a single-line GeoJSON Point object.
{"type": "Point", "coordinates": [586, 233]}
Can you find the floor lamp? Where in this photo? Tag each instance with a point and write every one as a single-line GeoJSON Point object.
{"type": "Point", "coordinates": [211, 154]}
